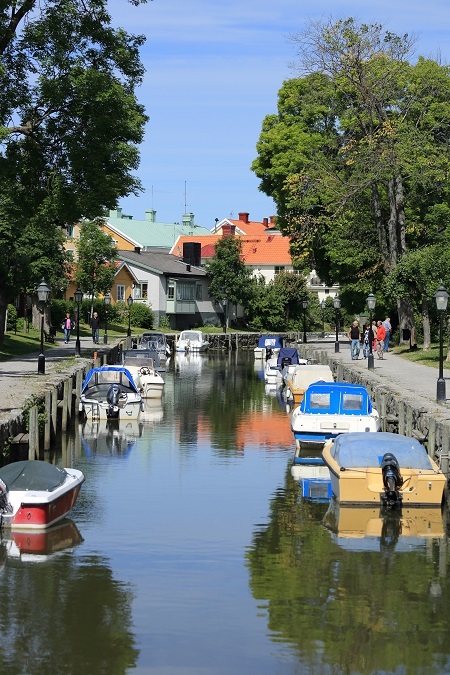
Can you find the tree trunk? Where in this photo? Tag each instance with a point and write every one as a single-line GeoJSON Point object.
{"type": "Point", "coordinates": [426, 325]}
{"type": "Point", "coordinates": [406, 320]}
{"type": "Point", "coordinates": [382, 242]}
{"type": "Point", "coordinates": [36, 315]}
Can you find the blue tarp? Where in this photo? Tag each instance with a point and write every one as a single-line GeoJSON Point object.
{"type": "Point", "coordinates": [272, 341]}
{"type": "Point", "coordinates": [288, 353]}
{"type": "Point", "coordinates": [109, 375]}
{"type": "Point", "coordinates": [365, 450]}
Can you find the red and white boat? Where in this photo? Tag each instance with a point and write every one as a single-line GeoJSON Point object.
{"type": "Point", "coordinates": [37, 494]}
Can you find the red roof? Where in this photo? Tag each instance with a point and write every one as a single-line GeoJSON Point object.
{"type": "Point", "coordinates": [260, 249]}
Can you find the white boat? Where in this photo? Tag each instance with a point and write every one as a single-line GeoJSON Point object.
{"type": "Point", "coordinates": [268, 345]}
{"type": "Point", "coordinates": [36, 494]}
{"type": "Point", "coordinates": [303, 376]}
{"type": "Point", "coordinates": [192, 341]}
{"type": "Point", "coordinates": [110, 392]}
{"type": "Point", "coordinates": [142, 367]}
{"type": "Point", "coordinates": [329, 409]}
{"type": "Point", "coordinates": [155, 341]}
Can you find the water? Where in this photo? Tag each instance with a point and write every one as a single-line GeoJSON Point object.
{"type": "Point", "coordinates": [191, 550]}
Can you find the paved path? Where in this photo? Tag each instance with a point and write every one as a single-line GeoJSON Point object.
{"type": "Point", "coordinates": [20, 380]}
{"type": "Point", "coordinates": [412, 380]}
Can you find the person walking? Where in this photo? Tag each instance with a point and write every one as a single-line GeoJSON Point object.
{"type": "Point", "coordinates": [354, 337]}
{"type": "Point", "coordinates": [366, 341]}
{"type": "Point", "coordinates": [95, 327]}
{"type": "Point", "coordinates": [388, 329]}
{"type": "Point", "coordinates": [67, 326]}
{"type": "Point", "coordinates": [381, 334]}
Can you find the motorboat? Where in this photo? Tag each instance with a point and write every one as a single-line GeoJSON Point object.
{"type": "Point", "coordinates": [383, 469]}
{"type": "Point", "coordinates": [110, 437]}
{"type": "Point", "coordinates": [276, 367]}
{"type": "Point", "coordinates": [34, 546]}
{"type": "Point", "coordinates": [133, 357]}
{"type": "Point", "coordinates": [192, 341]}
{"type": "Point", "coordinates": [35, 494]}
{"type": "Point", "coordinates": [332, 408]}
{"type": "Point", "coordinates": [268, 346]}
{"type": "Point", "coordinates": [142, 367]}
{"type": "Point", "coordinates": [155, 341]}
{"type": "Point", "coordinates": [303, 376]}
{"type": "Point", "coordinates": [362, 528]}
{"type": "Point", "coordinates": [110, 392]}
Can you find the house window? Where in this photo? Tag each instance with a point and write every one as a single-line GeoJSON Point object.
{"type": "Point", "coordinates": [185, 291]}
{"type": "Point", "coordinates": [199, 292]}
{"type": "Point", "coordinates": [279, 268]}
{"type": "Point", "coordinates": [120, 292]}
{"type": "Point", "coordinates": [171, 292]}
{"type": "Point", "coordinates": [70, 253]}
{"type": "Point", "coordinates": [140, 291]}
{"type": "Point", "coordinates": [69, 231]}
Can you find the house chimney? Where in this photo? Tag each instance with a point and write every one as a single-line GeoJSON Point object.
{"type": "Point", "coordinates": [244, 216]}
{"type": "Point", "coordinates": [228, 230]}
{"type": "Point", "coordinates": [272, 220]}
{"type": "Point", "coordinates": [266, 222]}
{"type": "Point", "coordinates": [150, 216]}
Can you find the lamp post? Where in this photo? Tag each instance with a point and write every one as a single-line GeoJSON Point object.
{"type": "Point", "coordinates": [337, 306]}
{"type": "Point", "coordinates": [43, 293]}
{"type": "Point", "coordinates": [371, 301]}
{"type": "Point", "coordinates": [441, 297]}
{"type": "Point", "coordinates": [129, 303]}
{"type": "Point", "coordinates": [322, 304]}
{"type": "Point", "coordinates": [107, 302]}
{"type": "Point", "coordinates": [304, 305]}
{"type": "Point", "coordinates": [78, 298]}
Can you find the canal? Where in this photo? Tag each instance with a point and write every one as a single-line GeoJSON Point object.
{"type": "Point", "coordinates": [191, 550]}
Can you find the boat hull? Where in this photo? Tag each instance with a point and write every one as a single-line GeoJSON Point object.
{"type": "Point", "coordinates": [101, 410]}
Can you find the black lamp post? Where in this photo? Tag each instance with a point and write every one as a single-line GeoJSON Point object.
{"type": "Point", "coordinates": [107, 302]}
{"type": "Point", "coordinates": [129, 303]}
{"type": "Point", "coordinates": [78, 299]}
{"type": "Point", "coordinates": [441, 297]}
{"type": "Point", "coordinates": [43, 293]}
{"type": "Point", "coordinates": [337, 307]}
{"type": "Point", "coordinates": [304, 305]}
{"type": "Point", "coordinates": [322, 304]}
{"type": "Point", "coordinates": [371, 301]}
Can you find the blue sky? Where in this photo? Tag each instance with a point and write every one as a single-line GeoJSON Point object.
{"type": "Point", "coordinates": [213, 71]}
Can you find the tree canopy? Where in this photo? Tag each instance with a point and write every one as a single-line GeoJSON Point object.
{"type": "Point", "coordinates": [70, 126]}
{"type": "Point", "coordinates": [95, 267]}
{"type": "Point", "coordinates": [357, 157]}
{"type": "Point", "coordinates": [230, 278]}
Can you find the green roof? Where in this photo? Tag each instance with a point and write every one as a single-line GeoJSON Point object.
{"type": "Point", "coordinates": [149, 232]}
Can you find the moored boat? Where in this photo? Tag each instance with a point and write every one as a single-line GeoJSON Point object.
{"type": "Point", "coordinates": [37, 494]}
{"type": "Point", "coordinates": [192, 341]}
{"type": "Point", "coordinates": [268, 346]}
{"type": "Point", "coordinates": [383, 469]}
{"type": "Point", "coordinates": [155, 341]}
{"type": "Point", "coordinates": [332, 408]}
{"type": "Point", "coordinates": [303, 376]}
{"type": "Point", "coordinates": [145, 374]}
{"type": "Point", "coordinates": [109, 392]}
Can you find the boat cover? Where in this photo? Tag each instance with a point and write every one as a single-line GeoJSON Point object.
{"type": "Point", "coordinates": [140, 357]}
{"type": "Point", "coordinates": [288, 353]}
{"type": "Point", "coordinates": [109, 375]}
{"type": "Point", "coordinates": [366, 450]}
{"type": "Point", "coordinates": [272, 341]}
{"type": "Point", "coordinates": [32, 475]}
{"type": "Point", "coordinates": [336, 398]}
{"type": "Point", "coordinates": [306, 375]}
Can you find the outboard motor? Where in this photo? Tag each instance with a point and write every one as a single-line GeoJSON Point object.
{"type": "Point", "coordinates": [392, 481]}
{"type": "Point", "coordinates": [269, 353]}
{"type": "Point", "coordinates": [112, 398]}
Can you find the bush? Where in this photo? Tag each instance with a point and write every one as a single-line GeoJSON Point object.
{"type": "Point", "coordinates": [164, 322]}
{"type": "Point", "coordinates": [12, 318]}
{"type": "Point", "coordinates": [141, 315]}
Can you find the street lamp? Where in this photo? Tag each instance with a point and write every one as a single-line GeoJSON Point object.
{"type": "Point", "coordinates": [107, 302]}
{"type": "Point", "coordinates": [371, 301]}
{"type": "Point", "coordinates": [129, 303]}
{"type": "Point", "coordinates": [78, 298]}
{"type": "Point", "coordinates": [43, 293]}
{"type": "Point", "coordinates": [441, 297]}
{"type": "Point", "coordinates": [304, 305]}
{"type": "Point", "coordinates": [337, 307]}
{"type": "Point", "coordinates": [322, 304]}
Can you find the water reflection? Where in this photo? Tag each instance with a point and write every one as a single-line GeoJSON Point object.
{"type": "Point", "coordinates": [39, 546]}
{"type": "Point", "coordinates": [109, 437]}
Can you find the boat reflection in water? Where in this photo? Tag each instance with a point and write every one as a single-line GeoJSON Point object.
{"type": "Point", "coordinates": [39, 546]}
{"type": "Point", "coordinates": [153, 411]}
{"type": "Point", "coordinates": [373, 529]}
{"type": "Point", "coordinates": [110, 437]}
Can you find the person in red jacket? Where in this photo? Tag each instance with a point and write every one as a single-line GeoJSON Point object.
{"type": "Point", "coordinates": [381, 334]}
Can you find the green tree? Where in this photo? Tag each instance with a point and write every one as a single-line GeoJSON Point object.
{"type": "Point", "coordinates": [95, 267]}
{"type": "Point", "coordinates": [70, 126]}
{"type": "Point", "coordinates": [230, 278]}
{"type": "Point", "coordinates": [358, 154]}
{"type": "Point", "coordinates": [292, 290]}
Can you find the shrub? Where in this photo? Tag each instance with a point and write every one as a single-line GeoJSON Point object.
{"type": "Point", "coordinates": [12, 318]}
{"type": "Point", "coordinates": [164, 322]}
{"type": "Point", "coordinates": [142, 315]}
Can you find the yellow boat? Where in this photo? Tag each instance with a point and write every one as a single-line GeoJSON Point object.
{"type": "Point", "coordinates": [383, 468]}
{"type": "Point", "coordinates": [303, 376]}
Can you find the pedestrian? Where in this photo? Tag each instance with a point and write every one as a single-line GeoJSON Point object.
{"type": "Point", "coordinates": [95, 327]}
{"type": "Point", "coordinates": [354, 337]}
{"type": "Point", "coordinates": [388, 329]}
{"type": "Point", "coordinates": [374, 336]}
{"type": "Point", "coordinates": [67, 326]}
{"type": "Point", "coordinates": [381, 334]}
{"type": "Point", "coordinates": [366, 341]}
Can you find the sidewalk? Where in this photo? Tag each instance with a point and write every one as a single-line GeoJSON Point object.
{"type": "Point", "coordinates": [19, 377]}
{"type": "Point", "coordinates": [411, 380]}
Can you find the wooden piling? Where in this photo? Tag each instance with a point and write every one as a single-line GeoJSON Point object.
{"type": "Point", "coordinates": [431, 444]}
{"type": "Point", "coordinates": [54, 411]}
{"type": "Point", "coordinates": [48, 414]}
{"type": "Point", "coordinates": [33, 443]}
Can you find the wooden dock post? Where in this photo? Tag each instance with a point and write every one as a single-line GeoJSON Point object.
{"type": "Point", "coordinates": [33, 442]}
{"type": "Point", "coordinates": [48, 414]}
{"type": "Point", "coordinates": [431, 445]}
{"type": "Point", "coordinates": [78, 384]}
{"type": "Point", "coordinates": [54, 411]}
